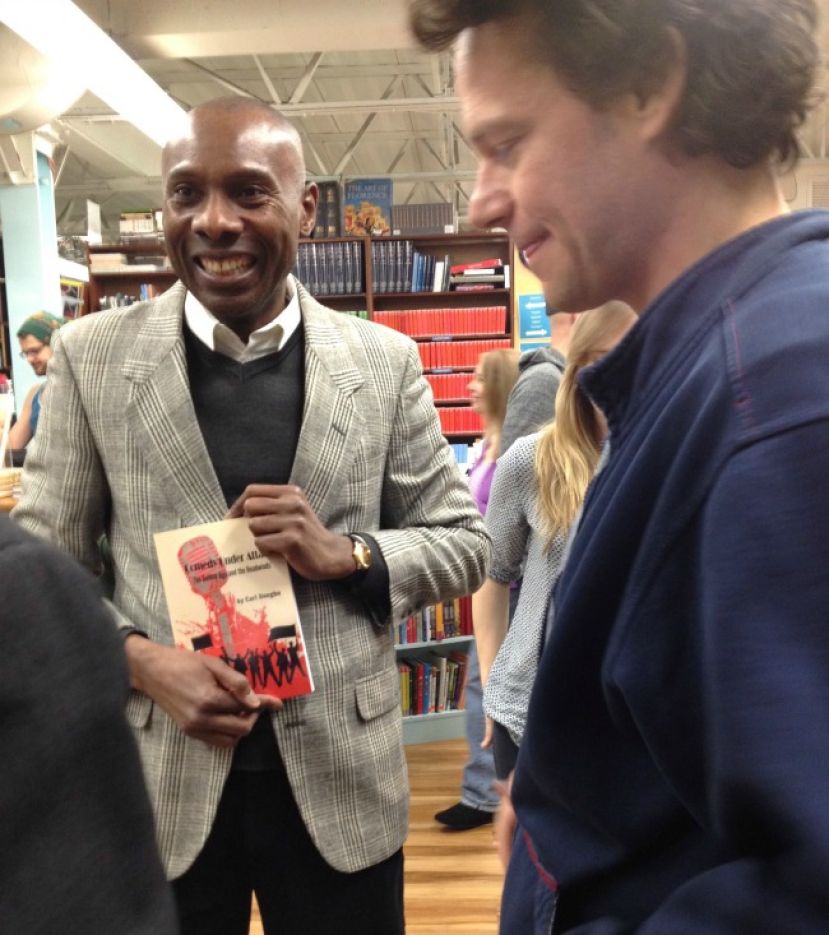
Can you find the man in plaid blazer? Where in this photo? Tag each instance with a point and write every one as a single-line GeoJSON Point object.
{"type": "Point", "coordinates": [235, 389]}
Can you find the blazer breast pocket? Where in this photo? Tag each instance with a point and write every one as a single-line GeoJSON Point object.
{"type": "Point", "coordinates": [378, 694]}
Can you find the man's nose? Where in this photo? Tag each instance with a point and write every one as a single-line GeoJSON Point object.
{"type": "Point", "coordinates": [217, 217]}
{"type": "Point", "coordinates": [490, 203]}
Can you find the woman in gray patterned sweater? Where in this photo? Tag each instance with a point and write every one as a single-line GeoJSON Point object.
{"type": "Point", "coordinates": [537, 491]}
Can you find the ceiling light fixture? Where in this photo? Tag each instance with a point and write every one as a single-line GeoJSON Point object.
{"type": "Point", "coordinates": [63, 33]}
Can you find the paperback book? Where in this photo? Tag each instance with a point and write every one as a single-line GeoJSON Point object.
{"type": "Point", "coordinates": [226, 599]}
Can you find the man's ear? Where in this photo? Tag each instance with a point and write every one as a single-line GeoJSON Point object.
{"type": "Point", "coordinates": [655, 105]}
{"type": "Point", "coordinates": [308, 209]}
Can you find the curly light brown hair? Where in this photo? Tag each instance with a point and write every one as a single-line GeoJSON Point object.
{"type": "Point", "coordinates": [751, 64]}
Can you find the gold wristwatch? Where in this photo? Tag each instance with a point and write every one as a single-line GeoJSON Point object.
{"type": "Point", "coordinates": [360, 552]}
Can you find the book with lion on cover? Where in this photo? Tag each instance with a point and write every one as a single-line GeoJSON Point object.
{"type": "Point", "coordinates": [229, 600]}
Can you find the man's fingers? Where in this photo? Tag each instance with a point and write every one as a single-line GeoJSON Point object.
{"type": "Point", "coordinates": [265, 498]}
{"type": "Point", "coordinates": [233, 682]}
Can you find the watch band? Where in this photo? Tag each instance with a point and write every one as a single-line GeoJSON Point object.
{"type": "Point", "coordinates": [360, 552]}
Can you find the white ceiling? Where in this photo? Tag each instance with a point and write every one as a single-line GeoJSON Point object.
{"type": "Point", "coordinates": [366, 101]}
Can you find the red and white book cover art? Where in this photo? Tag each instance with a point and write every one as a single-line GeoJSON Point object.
{"type": "Point", "coordinates": [226, 599]}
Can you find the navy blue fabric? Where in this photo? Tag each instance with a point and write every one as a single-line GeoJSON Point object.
{"type": "Point", "coordinates": [529, 903]}
{"type": "Point", "coordinates": [673, 776]}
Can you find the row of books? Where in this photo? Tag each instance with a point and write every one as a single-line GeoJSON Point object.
{"type": "Point", "coordinates": [479, 276]}
{"type": "Point", "coordinates": [398, 266]}
{"type": "Point", "coordinates": [436, 622]}
{"type": "Point", "coordinates": [331, 268]}
{"type": "Point", "coordinates": [426, 322]}
{"type": "Point", "coordinates": [146, 290]}
{"type": "Point", "coordinates": [437, 355]}
{"type": "Point", "coordinates": [449, 386]}
{"type": "Point", "coordinates": [430, 218]}
{"type": "Point", "coordinates": [459, 419]}
{"type": "Point", "coordinates": [431, 683]}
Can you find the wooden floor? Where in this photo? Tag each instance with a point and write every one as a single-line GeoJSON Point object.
{"type": "Point", "coordinates": [453, 879]}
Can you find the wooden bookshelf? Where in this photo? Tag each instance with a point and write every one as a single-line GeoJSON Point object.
{"type": "Point", "coordinates": [432, 647]}
{"type": "Point", "coordinates": [127, 279]}
{"type": "Point", "coordinates": [379, 278]}
{"type": "Point", "coordinates": [435, 725]}
{"type": "Point", "coordinates": [449, 352]}
{"type": "Point", "coordinates": [452, 328]}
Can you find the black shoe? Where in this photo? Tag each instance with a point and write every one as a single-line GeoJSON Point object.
{"type": "Point", "coordinates": [462, 817]}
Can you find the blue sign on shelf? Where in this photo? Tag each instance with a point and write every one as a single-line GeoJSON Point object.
{"type": "Point", "coordinates": [533, 323]}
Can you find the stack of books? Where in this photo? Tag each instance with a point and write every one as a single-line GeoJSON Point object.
{"type": "Point", "coordinates": [480, 276]}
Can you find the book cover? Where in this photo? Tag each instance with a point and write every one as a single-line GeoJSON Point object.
{"type": "Point", "coordinates": [491, 263]}
{"type": "Point", "coordinates": [226, 599]}
{"type": "Point", "coordinates": [329, 211]}
{"type": "Point", "coordinates": [367, 207]}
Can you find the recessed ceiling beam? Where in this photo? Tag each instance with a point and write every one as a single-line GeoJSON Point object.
{"type": "Point", "coordinates": [267, 81]}
{"type": "Point", "coordinates": [306, 79]}
{"type": "Point", "coordinates": [400, 153]}
{"type": "Point", "coordinates": [349, 152]}
{"type": "Point", "coordinates": [228, 85]}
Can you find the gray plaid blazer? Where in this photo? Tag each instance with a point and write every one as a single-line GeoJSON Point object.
{"type": "Point", "coordinates": [118, 450]}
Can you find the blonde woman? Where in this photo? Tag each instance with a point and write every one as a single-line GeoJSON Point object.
{"type": "Point", "coordinates": [489, 390]}
{"type": "Point", "coordinates": [537, 492]}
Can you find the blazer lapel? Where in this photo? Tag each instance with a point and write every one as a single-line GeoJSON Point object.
{"type": "Point", "coordinates": [332, 426]}
{"type": "Point", "coordinates": [160, 413]}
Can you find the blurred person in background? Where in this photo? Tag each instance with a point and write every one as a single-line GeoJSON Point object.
{"type": "Point", "coordinates": [35, 337]}
{"type": "Point", "coordinates": [489, 389]}
{"type": "Point", "coordinates": [540, 370]}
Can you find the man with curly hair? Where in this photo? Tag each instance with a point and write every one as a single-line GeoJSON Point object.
{"type": "Point", "coordinates": [672, 776]}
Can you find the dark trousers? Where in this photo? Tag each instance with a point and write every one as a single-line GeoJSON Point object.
{"type": "Point", "coordinates": [504, 751]}
{"type": "Point", "coordinates": [259, 844]}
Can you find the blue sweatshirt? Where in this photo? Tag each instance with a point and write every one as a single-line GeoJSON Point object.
{"type": "Point", "coordinates": [674, 774]}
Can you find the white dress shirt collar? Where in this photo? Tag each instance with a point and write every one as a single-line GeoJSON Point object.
{"type": "Point", "coordinates": [265, 340]}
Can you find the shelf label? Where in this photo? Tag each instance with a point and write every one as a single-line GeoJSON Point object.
{"type": "Point", "coordinates": [533, 322]}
